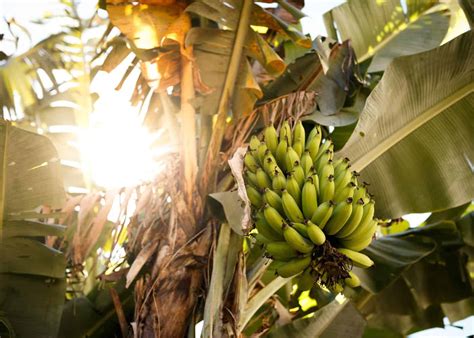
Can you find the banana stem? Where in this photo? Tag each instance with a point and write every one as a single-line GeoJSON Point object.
{"type": "Point", "coordinates": [209, 172]}
{"type": "Point", "coordinates": [188, 130]}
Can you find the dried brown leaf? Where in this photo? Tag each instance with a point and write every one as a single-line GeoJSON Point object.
{"type": "Point", "coordinates": [139, 261]}
{"type": "Point", "coordinates": [236, 164]}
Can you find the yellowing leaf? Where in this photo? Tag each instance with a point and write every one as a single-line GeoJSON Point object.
{"type": "Point", "coordinates": [145, 25]}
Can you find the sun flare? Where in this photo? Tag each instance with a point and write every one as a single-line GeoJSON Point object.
{"type": "Point", "coordinates": [116, 149]}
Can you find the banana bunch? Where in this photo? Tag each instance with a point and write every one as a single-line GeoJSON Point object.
{"type": "Point", "coordinates": [309, 210]}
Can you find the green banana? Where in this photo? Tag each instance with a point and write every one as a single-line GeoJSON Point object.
{"type": "Point", "coordinates": [290, 158]}
{"type": "Point", "coordinates": [326, 170]}
{"type": "Point", "coordinates": [262, 239]}
{"type": "Point", "coordinates": [250, 177]}
{"type": "Point", "coordinates": [316, 235]}
{"type": "Point", "coordinates": [293, 267]}
{"type": "Point", "coordinates": [307, 163]}
{"type": "Point", "coordinates": [357, 244]}
{"type": "Point", "coordinates": [322, 214]}
{"type": "Point", "coordinates": [250, 162]}
{"type": "Point", "coordinates": [313, 147]}
{"type": "Point", "coordinates": [278, 182]}
{"type": "Point", "coordinates": [298, 172]}
{"type": "Point", "coordinates": [340, 216]}
{"type": "Point", "coordinates": [298, 147]}
{"type": "Point", "coordinates": [301, 228]}
{"type": "Point", "coordinates": [343, 193]}
{"type": "Point", "coordinates": [299, 134]}
{"type": "Point", "coordinates": [281, 251]}
{"type": "Point", "coordinates": [281, 152]}
{"type": "Point", "coordinates": [273, 199]}
{"type": "Point", "coordinates": [273, 218]}
{"type": "Point", "coordinates": [306, 280]}
{"type": "Point", "coordinates": [285, 132]}
{"type": "Point", "coordinates": [326, 188]}
{"type": "Point", "coordinates": [296, 240]}
{"type": "Point", "coordinates": [343, 178]}
{"type": "Point", "coordinates": [299, 197]}
{"type": "Point", "coordinates": [275, 265]}
{"type": "Point", "coordinates": [309, 198]}
{"type": "Point", "coordinates": [266, 230]}
{"type": "Point", "coordinates": [254, 143]}
{"type": "Point", "coordinates": [321, 161]}
{"type": "Point", "coordinates": [254, 196]}
{"type": "Point", "coordinates": [358, 259]}
{"type": "Point", "coordinates": [293, 187]}
{"type": "Point", "coordinates": [354, 220]}
{"type": "Point", "coordinates": [362, 240]}
{"type": "Point", "coordinates": [315, 178]}
{"type": "Point", "coordinates": [341, 166]}
{"type": "Point", "coordinates": [261, 151]}
{"type": "Point", "coordinates": [271, 138]}
{"type": "Point", "coordinates": [337, 162]}
{"type": "Point", "coordinates": [353, 281]}
{"type": "Point", "coordinates": [270, 166]}
{"type": "Point", "coordinates": [354, 178]}
{"type": "Point", "coordinates": [364, 224]}
{"type": "Point", "coordinates": [326, 147]}
{"type": "Point", "coordinates": [360, 193]}
{"type": "Point", "coordinates": [263, 181]}
{"type": "Point", "coordinates": [291, 208]}
{"type": "Point", "coordinates": [315, 132]}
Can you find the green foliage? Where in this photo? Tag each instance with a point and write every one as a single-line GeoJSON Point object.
{"type": "Point", "coordinates": [30, 271]}
{"type": "Point", "coordinates": [412, 136]}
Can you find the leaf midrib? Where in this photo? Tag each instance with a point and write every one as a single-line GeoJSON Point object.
{"type": "Point", "coordinates": [3, 179]}
{"type": "Point", "coordinates": [408, 128]}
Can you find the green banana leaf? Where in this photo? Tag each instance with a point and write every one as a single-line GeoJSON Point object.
{"type": "Point", "coordinates": [391, 256]}
{"type": "Point", "coordinates": [383, 30]}
{"type": "Point", "coordinates": [225, 257]}
{"type": "Point", "coordinates": [31, 304]}
{"type": "Point", "coordinates": [416, 276]}
{"type": "Point", "coordinates": [212, 48]}
{"type": "Point", "coordinates": [55, 104]}
{"type": "Point", "coordinates": [332, 86]}
{"type": "Point", "coordinates": [333, 320]}
{"type": "Point", "coordinates": [32, 278]}
{"type": "Point", "coordinates": [395, 309]}
{"type": "Point", "coordinates": [413, 142]}
{"type": "Point", "coordinates": [449, 214]}
{"type": "Point", "coordinates": [459, 310]}
{"type": "Point", "coordinates": [394, 254]}
{"type": "Point", "coordinates": [466, 226]}
{"type": "Point", "coordinates": [94, 316]}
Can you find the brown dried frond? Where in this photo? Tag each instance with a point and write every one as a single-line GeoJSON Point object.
{"type": "Point", "coordinates": [291, 106]}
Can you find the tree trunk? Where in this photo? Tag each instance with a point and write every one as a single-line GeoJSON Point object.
{"type": "Point", "coordinates": [166, 297]}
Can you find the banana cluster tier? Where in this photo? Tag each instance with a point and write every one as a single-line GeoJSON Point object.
{"type": "Point", "coordinates": [309, 210]}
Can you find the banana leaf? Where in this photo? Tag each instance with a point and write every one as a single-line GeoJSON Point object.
{"type": "Point", "coordinates": [55, 103]}
{"type": "Point", "coordinates": [31, 273]}
{"type": "Point", "coordinates": [413, 142]}
{"type": "Point", "coordinates": [386, 31]}
{"type": "Point", "coordinates": [333, 85]}
{"type": "Point", "coordinates": [333, 320]}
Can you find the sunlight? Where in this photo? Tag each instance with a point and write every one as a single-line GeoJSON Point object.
{"type": "Point", "coordinates": [117, 149]}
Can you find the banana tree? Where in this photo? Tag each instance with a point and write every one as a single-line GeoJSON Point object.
{"type": "Point", "coordinates": [214, 73]}
{"type": "Point", "coordinates": [218, 101]}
